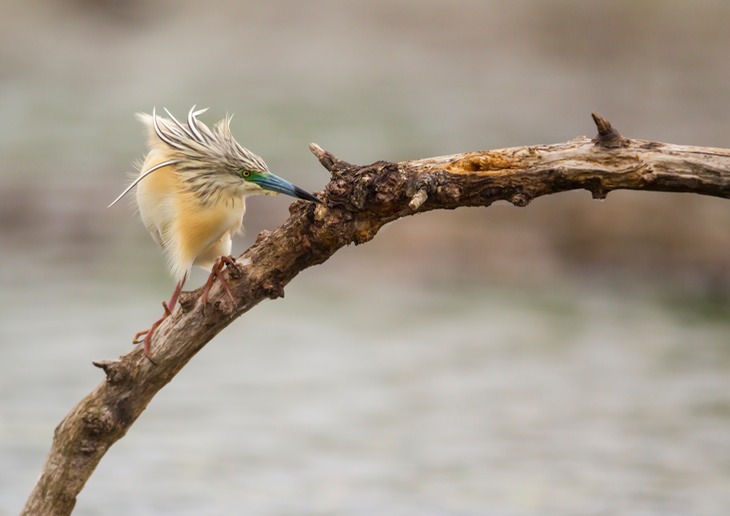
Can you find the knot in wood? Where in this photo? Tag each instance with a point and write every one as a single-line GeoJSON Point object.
{"type": "Point", "coordinates": [273, 288]}
{"type": "Point", "coordinates": [361, 186]}
{"type": "Point", "coordinates": [648, 174]}
{"type": "Point", "coordinates": [187, 300]}
{"type": "Point", "coordinates": [365, 231]}
{"type": "Point", "coordinates": [449, 192]}
{"type": "Point", "coordinates": [99, 423]}
{"type": "Point", "coordinates": [387, 184]}
{"type": "Point", "coordinates": [520, 199]}
{"type": "Point", "coordinates": [361, 191]}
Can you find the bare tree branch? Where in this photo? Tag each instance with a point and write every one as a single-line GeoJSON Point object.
{"type": "Point", "coordinates": [359, 200]}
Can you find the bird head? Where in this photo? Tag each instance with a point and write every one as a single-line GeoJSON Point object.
{"type": "Point", "coordinates": [212, 164]}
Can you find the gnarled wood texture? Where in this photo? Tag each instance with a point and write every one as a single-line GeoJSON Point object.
{"type": "Point", "coordinates": [358, 201]}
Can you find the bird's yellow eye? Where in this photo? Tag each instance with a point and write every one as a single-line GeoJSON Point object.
{"type": "Point", "coordinates": [245, 173]}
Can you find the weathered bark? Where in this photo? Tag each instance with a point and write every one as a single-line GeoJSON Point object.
{"type": "Point", "coordinates": [358, 201]}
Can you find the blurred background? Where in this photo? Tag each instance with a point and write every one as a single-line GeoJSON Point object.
{"type": "Point", "coordinates": [571, 357]}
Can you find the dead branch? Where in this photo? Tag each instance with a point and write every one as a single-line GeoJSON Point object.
{"type": "Point", "coordinates": [359, 200]}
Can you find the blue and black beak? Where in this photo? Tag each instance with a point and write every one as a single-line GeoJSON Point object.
{"type": "Point", "coordinates": [276, 184]}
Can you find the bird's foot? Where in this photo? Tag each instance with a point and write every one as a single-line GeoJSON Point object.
{"type": "Point", "coordinates": [217, 272]}
{"type": "Point", "coordinates": [168, 311]}
{"type": "Point", "coordinates": [148, 334]}
{"type": "Point", "coordinates": [168, 306]}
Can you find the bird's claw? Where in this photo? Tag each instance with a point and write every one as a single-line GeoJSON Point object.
{"type": "Point", "coordinates": [168, 312]}
{"type": "Point", "coordinates": [217, 272]}
{"type": "Point", "coordinates": [234, 269]}
{"type": "Point", "coordinates": [148, 336]}
{"type": "Point", "coordinates": [168, 306]}
{"type": "Point", "coordinates": [135, 339]}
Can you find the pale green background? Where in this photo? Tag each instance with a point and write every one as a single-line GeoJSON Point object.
{"type": "Point", "coordinates": [571, 357]}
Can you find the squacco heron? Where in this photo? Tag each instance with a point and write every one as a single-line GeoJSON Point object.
{"type": "Point", "coordinates": [191, 195]}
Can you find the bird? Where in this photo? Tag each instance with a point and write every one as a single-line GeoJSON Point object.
{"type": "Point", "coordinates": [191, 196]}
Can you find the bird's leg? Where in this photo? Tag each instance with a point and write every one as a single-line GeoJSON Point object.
{"type": "Point", "coordinates": [169, 306]}
{"type": "Point", "coordinates": [217, 272]}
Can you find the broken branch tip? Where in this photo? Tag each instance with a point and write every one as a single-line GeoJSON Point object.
{"type": "Point", "coordinates": [418, 199]}
{"type": "Point", "coordinates": [607, 135]}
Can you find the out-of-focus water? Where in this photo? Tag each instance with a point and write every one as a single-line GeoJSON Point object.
{"type": "Point", "coordinates": [457, 365]}
{"type": "Point", "coordinates": [404, 399]}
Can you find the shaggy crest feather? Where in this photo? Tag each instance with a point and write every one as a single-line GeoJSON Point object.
{"type": "Point", "coordinates": [197, 147]}
{"type": "Point", "coordinates": [208, 159]}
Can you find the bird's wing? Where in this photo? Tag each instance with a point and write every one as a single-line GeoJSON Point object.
{"type": "Point", "coordinates": [156, 200]}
